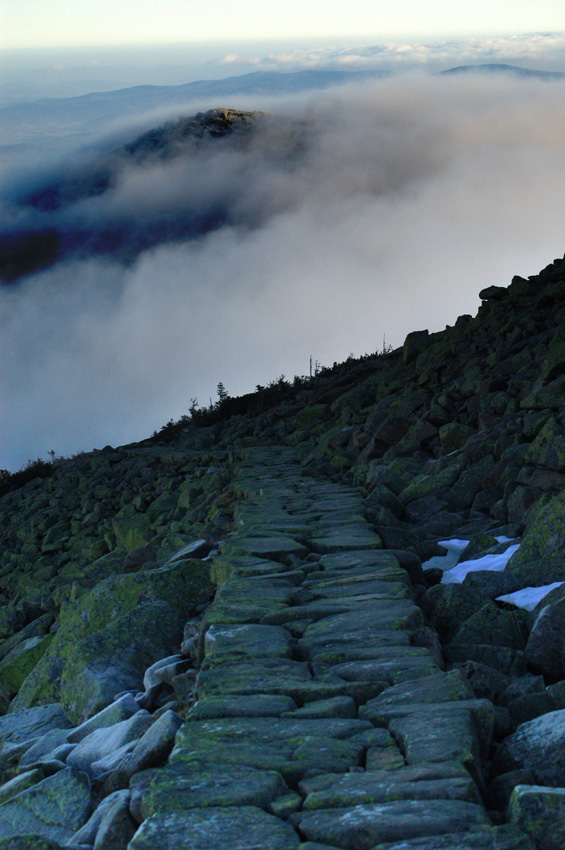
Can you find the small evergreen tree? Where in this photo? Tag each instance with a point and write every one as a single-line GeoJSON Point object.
{"type": "Point", "coordinates": [223, 394]}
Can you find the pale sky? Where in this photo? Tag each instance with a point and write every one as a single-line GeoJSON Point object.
{"type": "Point", "coordinates": [58, 23]}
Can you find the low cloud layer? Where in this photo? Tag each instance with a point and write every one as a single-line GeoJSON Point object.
{"type": "Point", "coordinates": [539, 50]}
{"type": "Point", "coordinates": [409, 197]}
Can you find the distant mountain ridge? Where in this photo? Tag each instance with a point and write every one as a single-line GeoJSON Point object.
{"type": "Point", "coordinates": [501, 68]}
{"type": "Point", "coordinates": [65, 116]}
{"type": "Point", "coordinates": [87, 111]}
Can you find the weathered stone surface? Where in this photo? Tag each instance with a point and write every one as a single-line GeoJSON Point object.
{"type": "Point", "coordinates": [228, 643]}
{"type": "Point", "coordinates": [289, 746]}
{"type": "Point", "coordinates": [106, 642]}
{"type": "Point", "coordinates": [441, 687]}
{"type": "Point", "coordinates": [247, 828]}
{"type": "Point", "coordinates": [103, 742]}
{"type": "Point", "coordinates": [408, 783]}
{"type": "Point", "coordinates": [545, 649]}
{"type": "Point", "coordinates": [478, 838]}
{"type": "Point", "coordinates": [150, 750]}
{"type": "Point", "coordinates": [19, 663]}
{"type": "Point", "coordinates": [54, 808]}
{"type": "Point", "coordinates": [256, 705]}
{"type": "Point", "coordinates": [364, 826]}
{"type": "Point", "coordinates": [540, 559]}
{"type": "Point", "coordinates": [539, 745]}
{"type": "Point", "coordinates": [87, 833]}
{"type": "Point", "coordinates": [29, 842]}
{"type": "Point", "coordinates": [204, 784]}
{"type": "Point", "coordinates": [20, 783]}
{"type": "Point", "coordinates": [121, 709]}
{"type": "Point", "coordinates": [540, 813]}
{"type": "Point", "coordinates": [326, 708]}
{"type": "Point", "coordinates": [116, 827]}
{"type": "Point", "coordinates": [44, 747]}
{"type": "Point", "coordinates": [30, 723]}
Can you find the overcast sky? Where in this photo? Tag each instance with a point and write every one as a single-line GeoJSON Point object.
{"type": "Point", "coordinates": [37, 23]}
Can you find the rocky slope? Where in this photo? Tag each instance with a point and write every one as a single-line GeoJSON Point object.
{"type": "Point", "coordinates": [238, 604]}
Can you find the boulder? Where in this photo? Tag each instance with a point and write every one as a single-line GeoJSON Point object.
{"type": "Point", "coordinates": [54, 808]}
{"type": "Point", "coordinates": [538, 745]}
{"type": "Point", "coordinates": [20, 726]}
{"type": "Point", "coordinates": [545, 649]}
{"type": "Point", "coordinates": [541, 556]}
{"type": "Point", "coordinates": [108, 639]}
{"type": "Point", "coordinates": [540, 813]}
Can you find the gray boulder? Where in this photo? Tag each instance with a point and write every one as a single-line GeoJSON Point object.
{"type": "Point", "coordinates": [54, 808]}
{"type": "Point", "coordinates": [539, 745]}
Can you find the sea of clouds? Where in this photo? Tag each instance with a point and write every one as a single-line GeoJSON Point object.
{"type": "Point", "coordinates": [410, 196]}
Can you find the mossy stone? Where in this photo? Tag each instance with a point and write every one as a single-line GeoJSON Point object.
{"type": "Point", "coordinates": [112, 634]}
{"type": "Point", "coordinates": [541, 556]}
{"type": "Point", "coordinates": [19, 663]}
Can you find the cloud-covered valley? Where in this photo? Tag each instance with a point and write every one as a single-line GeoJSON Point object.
{"type": "Point", "coordinates": [347, 216]}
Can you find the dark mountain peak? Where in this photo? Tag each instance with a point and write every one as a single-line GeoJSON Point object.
{"type": "Point", "coordinates": [214, 124]}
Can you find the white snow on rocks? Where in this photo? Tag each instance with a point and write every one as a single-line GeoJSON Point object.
{"type": "Point", "coordinates": [529, 597]}
{"type": "Point", "coordinates": [495, 563]}
{"type": "Point", "coordinates": [446, 562]}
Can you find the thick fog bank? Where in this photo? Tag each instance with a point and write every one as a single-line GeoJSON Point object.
{"type": "Point", "coordinates": [402, 201]}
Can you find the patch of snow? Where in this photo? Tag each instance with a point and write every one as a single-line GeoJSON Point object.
{"type": "Point", "coordinates": [529, 597]}
{"type": "Point", "coordinates": [495, 563]}
{"type": "Point", "coordinates": [446, 562]}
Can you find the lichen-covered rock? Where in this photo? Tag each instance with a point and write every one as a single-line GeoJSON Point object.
{"type": "Point", "coordinates": [19, 663]}
{"type": "Point", "coordinates": [541, 556]}
{"type": "Point", "coordinates": [24, 725]}
{"type": "Point", "coordinates": [54, 808]}
{"type": "Point", "coordinates": [538, 745]}
{"type": "Point", "coordinates": [107, 640]}
{"type": "Point", "coordinates": [220, 828]}
{"type": "Point", "coordinates": [540, 813]}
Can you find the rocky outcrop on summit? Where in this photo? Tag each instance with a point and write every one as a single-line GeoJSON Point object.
{"type": "Point", "coordinates": [57, 206]}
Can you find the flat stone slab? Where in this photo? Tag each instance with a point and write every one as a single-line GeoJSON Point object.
{"type": "Point", "coordinates": [326, 708]}
{"type": "Point", "coordinates": [344, 539]}
{"type": "Point", "coordinates": [351, 637]}
{"type": "Point", "coordinates": [191, 786]}
{"type": "Point", "coordinates": [344, 561]}
{"type": "Point", "coordinates": [399, 615]}
{"type": "Point", "coordinates": [370, 650]}
{"type": "Point", "coordinates": [245, 828]}
{"type": "Point", "coordinates": [268, 676]}
{"type": "Point", "coordinates": [289, 746]}
{"type": "Point", "coordinates": [478, 838]}
{"type": "Point", "coordinates": [353, 789]}
{"type": "Point", "coordinates": [276, 548]}
{"type": "Point", "coordinates": [439, 687]}
{"type": "Point", "coordinates": [240, 600]}
{"type": "Point", "coordinates": [365, 826]}
{"type": "Point", "coordinates": [360, 587]}
{"type": "Point", "coordinates": [388, 670]}
{"type": "Point", "coordinates": [230, 642]}
{"type": "Point", "coordinates": [259, 705]}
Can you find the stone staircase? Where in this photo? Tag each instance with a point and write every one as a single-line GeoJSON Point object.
{"type": "Point", "coordinates": [323, 718]}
